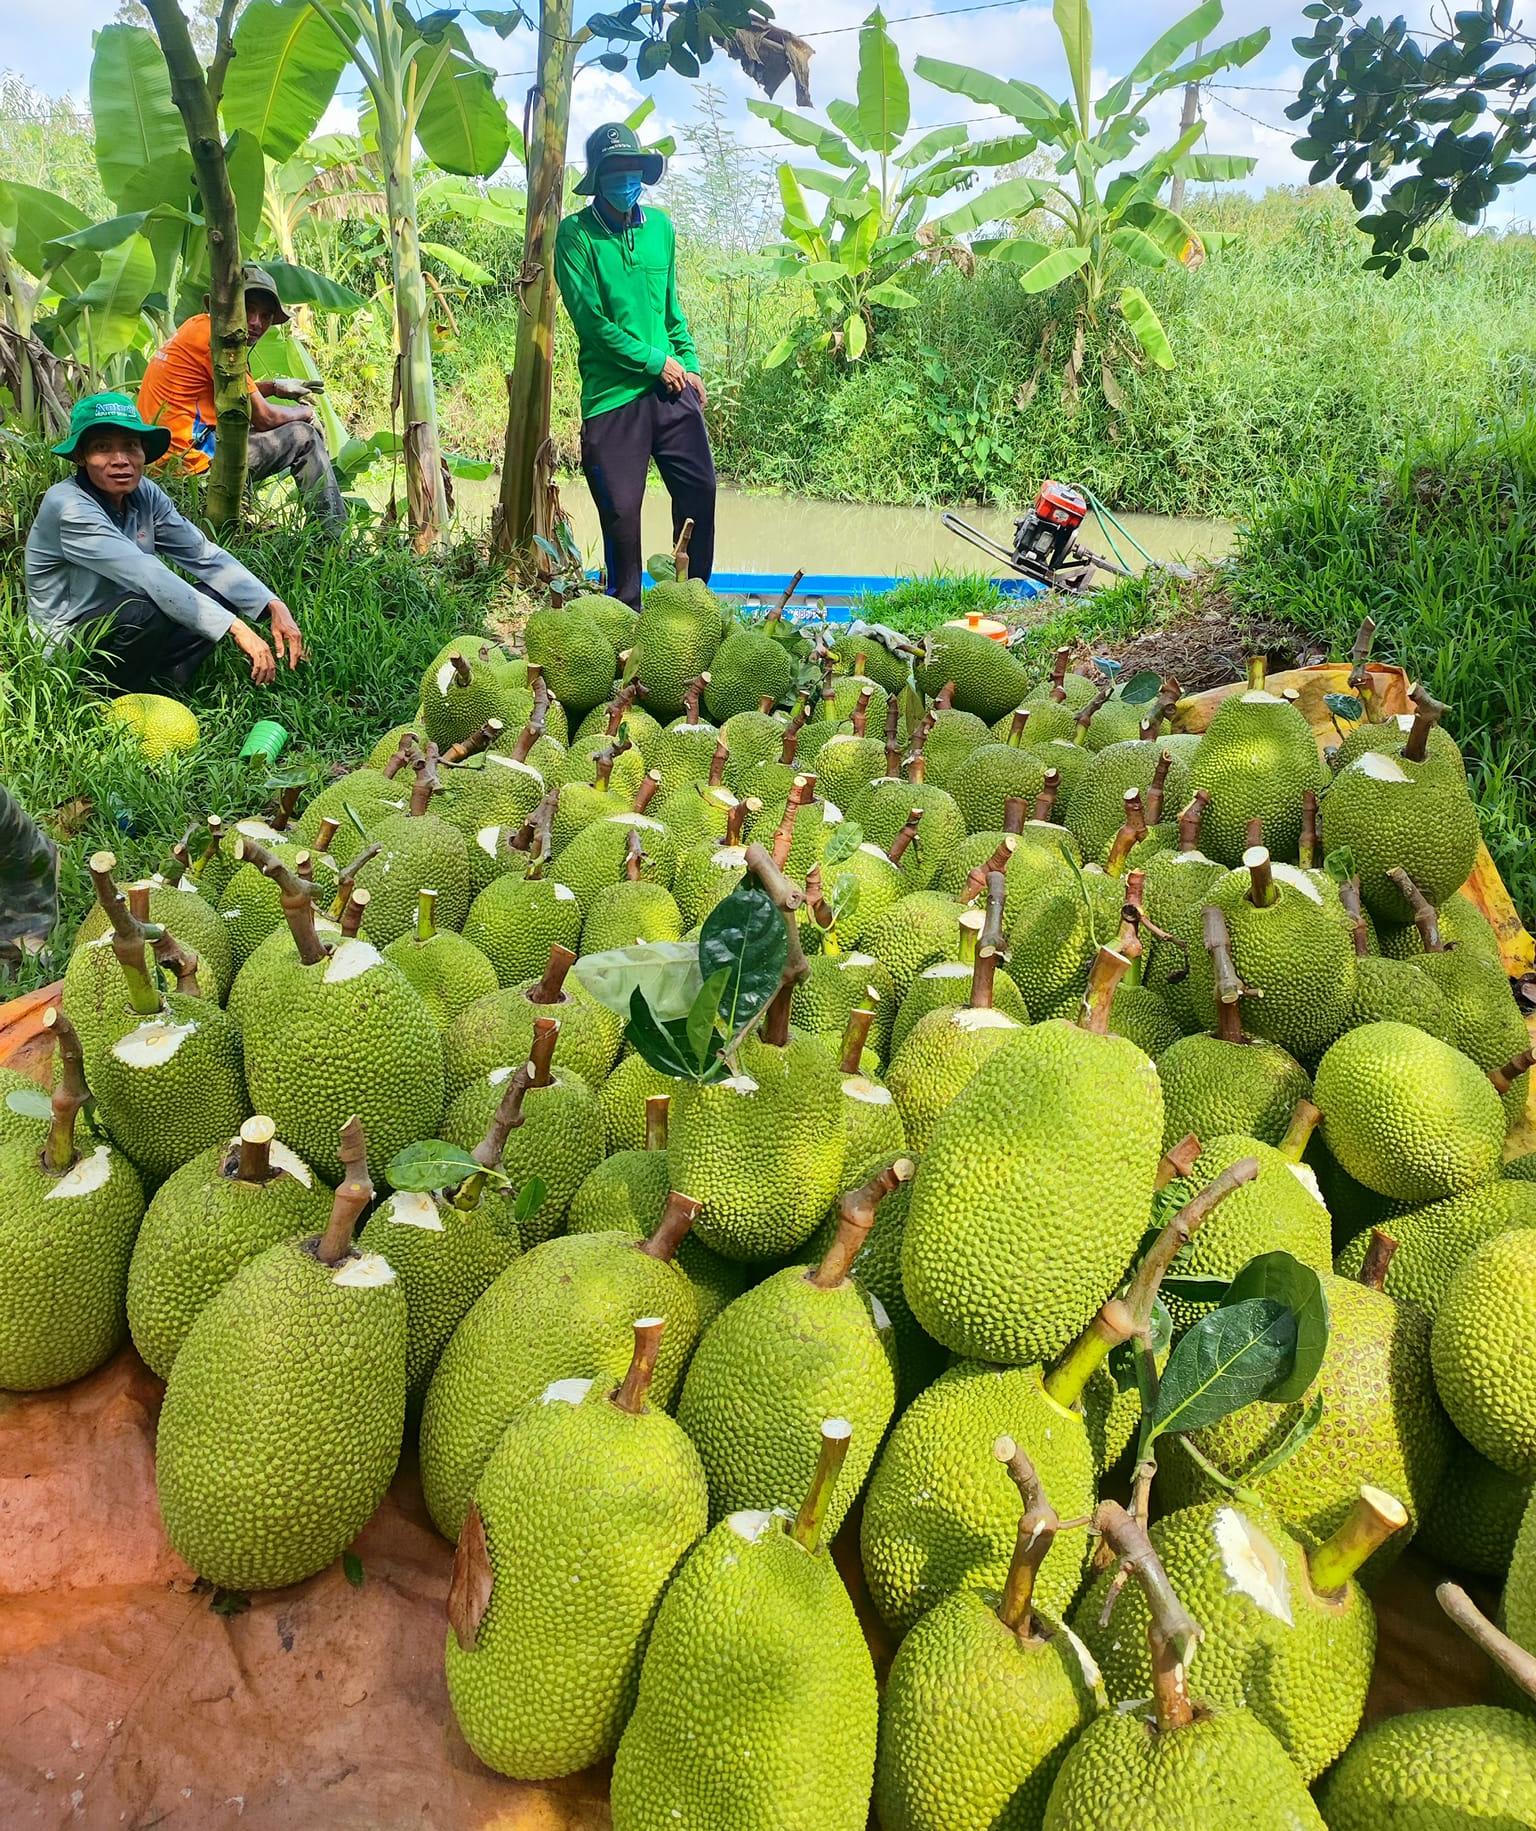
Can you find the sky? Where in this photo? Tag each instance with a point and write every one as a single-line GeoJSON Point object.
{"type": "Point", "coordinates": [1244, 109]}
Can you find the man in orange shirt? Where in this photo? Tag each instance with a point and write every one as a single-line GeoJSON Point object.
{"type": "Point", "coordinates": [177, 393]}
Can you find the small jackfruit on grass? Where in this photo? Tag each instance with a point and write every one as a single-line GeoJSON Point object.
{"type": "Point", "coordinates": [162, 726]}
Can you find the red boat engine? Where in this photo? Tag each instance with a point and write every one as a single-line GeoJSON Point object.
{"type": "Point", "coordinates": [1042, 539]}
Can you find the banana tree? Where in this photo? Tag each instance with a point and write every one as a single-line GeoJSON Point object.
{"type": "Point", "coordinates": [878, 191]}
{"type": "Point", "coordinates": [1105, 214]}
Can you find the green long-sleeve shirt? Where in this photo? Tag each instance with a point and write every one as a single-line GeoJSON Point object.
{"type": "Point", "coordinates": [620, 288]}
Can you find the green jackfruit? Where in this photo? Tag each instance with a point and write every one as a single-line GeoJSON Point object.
{"type": "Point", "coordinates": [1211, 1087]}
{"type": "Point", "coordinates": [626, 913]}
{"type": "Point", "coordinates": [1484, 1370]}
{"type": "Point", "coordinates": [846, 765]}
{"type": "Point", "coordinates": [595, 858]}
{"type": "Point", "coordinates": [1390, 814]}
{"type": "Point", "coordinates": [172, 1085]}
{"type": "Point", "coordinates": [882, 810]}
{"type": "Point", "coordinates": [1389, 737]}
{"type": "Point", "coordinates": [838, 984]}
{"type": "Point", "coordinates": [747, 666]}
{"type": "Point", "coordinates": [1483, 1020]}
{"type": "Point", "coordinates": [675, 641]}
{"type": "Point", "coordinates": [194, 922]}
{"type": "Point", "coordinates": [887, 669]}
{"type": "Point", "coordinates": [457, 701]}
{"type": "Point", "coordinates": [418, 852]}
{"type": "Point", "coordinates": [622, 1098]}
{"type": "Point", "coordinates": [988, 681]}
{"type": "Point", "coordinates": [19, 1121]}
{"type": "Point", "coordinates": [1462, 926]}
{"type": "Point", "coordinates": [1258, 757]}
{"type": "Point", "coordinates": [498, 1033]}
{"type": "Point", "coordinates": [1474, 1519]}
{"type": "Point", "coordinates": [578, 659]}
{"type": "Point", "coordinates": [1436, 1770]}
{"type": "Point", "coordinates": [1520, 1588]}
{"type": "Point", "coordinates": [952, 738]}
{"type": "Point", "coordinates": [1433, 1241]}
{"type": "Point", "coordinates": [948, 982]}
{"type": "Point", "coordinates": [938, 1058]}
{"type": "Point", "coordinates": [914, 932]}
{"type": "Point", "coordinates": [1141, 1017]}
{"type": "Point", "coordinates": [1395, 991]}
{"type": "Point", "coordinates": [560, 1139]}
{"type": "Point", "coordinates": [516, 920]}
{"type": "Point", "coordinates": [706, 875]}
{"type": "Point", "coordinates": [989, 777]}
{"type": "Point", "coordinates": [448, 971]}
{"type": "Point", "coordinates": [1095, 809]}
{"type": "Point", "coordinates": [611, 615]}
{"type": "Point", "coordinates": [1053, 940]}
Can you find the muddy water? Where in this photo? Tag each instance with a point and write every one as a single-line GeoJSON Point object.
{"type": "Point", "coordinates": [780, 533]}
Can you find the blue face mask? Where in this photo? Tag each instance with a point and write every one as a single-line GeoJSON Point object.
{"type": "Point", "coordinates": [620, 190]}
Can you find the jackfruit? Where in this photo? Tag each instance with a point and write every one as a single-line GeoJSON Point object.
{"type": "Point", "coordinates": [989, 777]}
{"type": "Point", "coordinates": [1054, 938]}
{"type": "Point", "coordinates": [1389, 738]}
{"type": "Point", "coordinates": [356, 802]}
{"type": "Point", "coordinates": [951, 739]}
{"type": "Point", "coordinates": [448, 971]}
{"type": "Point", "coordinates": [684, 752]}
{"type": "Point", "coordinates": [860, 889]}
{"type": "Point", "coordinates": [988, 680]}
{"type": "Point", "coordinates": [583, 1512]}
{"type": "Point", "coordinates": [516, 920]}
{"type": "Point", "coordinates": [1141, 1017]}
{"type": "Point", "coordinates": [1095, 809]}
{"type": "Point", "coordinates": [559, 1141]}
{"type": "Point", "coordinates": [465, 686]}
{"type": "Point", "coordinates": [1392, 814]}
{"type": "Point", "coordinates": [1462, 926]}
{"type": "Point", "coordinates": [948, 983]}
{"type": "Point", "coordinates": [880, 664]}
{"type": "Point", "coordinates": [884, 808]}
{"type": "Point", "coordinates": [912, 933]}
{"type": "Point", "coordinates": [19, 1122]}
{"type": "Point", "coordinates": [1394, 991]}
{"type": "Point", "coordinates": [1258, 757]}
{"type": "Point", "coordinates": [195, 923]}
{"type": "Point", "coordinates": [578, 659]}
{"type": "Point", "coordinates": [498, 1032]}
{"type": "Point", "coordinates": [1433, 1241]}
{"type": "Point", "coordinates": [1484, 1370]}
{"type": "Point", "coordinates": [837, 985]}
{"type": "Point", "coordinates": [1440, 1769]}
{"type": "Point", "coordinates": [496, 791]}
{"type": "Point", "coordinates": [747, 666]}
{"type": "Point", "coordinates": [1520, 1587]}
{"type": "Point", "coordinates": [162, 726]}
{"type": "Point", "coordinates": [1483, 1020]}
{"type": "Point", "coordinates": [1474, 1519]}
{"type": "Point", "coordinates": [596, 857]}
{"type": "Point", "coordinates": [939, 1058]}
{"type": "Point", "coordinates": [706, 875]}
{"type": "Point", "coordinates": [674, 642]}
{"type": "Point", "coordinates": [623, 1096]}
{"type": "Point", "coordinates": [1116, 722]}
{"type": "Point", "coordinates": [611, 615]}
{"type": "Point", "coordinates": [628, 912]}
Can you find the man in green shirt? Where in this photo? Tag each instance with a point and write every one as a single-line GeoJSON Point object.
{"type": "Point", "coordinates": [641, 396]}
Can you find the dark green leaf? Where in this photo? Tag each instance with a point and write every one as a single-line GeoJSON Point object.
{"type": "Point", "coordinates": [352, 1568]}
{"type": "Point", "coordinates": [431, 1164]}
{"type": "Point", "coordinates": [1344, 705]}
{"type": "Point", "coordinates": [658, 1043]}
{"type": "Point", "coordinates": [1284, 1279]}
{"type": "Point", "coordinates": [1307, 1421]}
{"type": "Point", "coordinates": [1230, 1358]}
{"type": "Point", "coordinates": [298, 285]}
{"type": "Point", "coordinates": [746, 935]}
{"type": "Point", "coordinates": [705, 1013]}
{"type": "Point", "coordinates": [1195, 1287]}
{"type": "Point", "coordinates": [1141, 689]}
{"type": "Point", "coordinates": [667, 971]}
{"type": "Point", "coordinates": [530, 1199]}
{"type": "Point", "coordinates": [286, 67]}
{"type": "Point", "coordinates": [30, 1102]}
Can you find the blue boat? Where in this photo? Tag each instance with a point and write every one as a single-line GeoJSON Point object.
{"type": "Point", "coordinates": [830, 597]}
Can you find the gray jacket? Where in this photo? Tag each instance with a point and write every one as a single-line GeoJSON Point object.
{"type": "Point", "coordinates": [82, 563]}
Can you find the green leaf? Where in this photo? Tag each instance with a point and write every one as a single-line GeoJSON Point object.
{"type": "Point", "coordinates": [30, 1102]}
{"type": "Point", "coordinates": [298, 285]}
{"type": "Point", "coordinates": [530, 1199]}
{"type": "Point", "coordinates": [744, 935]}
{"type": "Point", "coordinates": [844, 116]}
{"type": "Point", "coordinates": [1341, 864]}
{"type": "Point", "coordinates": [827, 145]}
{"type": "Point", "coordinates": [248, 180]}
{"type": "Point", "coordinates": [1284, 1279]}
{"type": "Point", "coordinates": [779, 354]}
{"type": "Point", "coordinates": [136, 121]}
{"type": "Point", "coordinates": [843, 898]}
{"type": "Point", "coordinates": [1013, 197]}
{"type": "Point", "coordinates": [431, 1164]}
{"type": "Point", "coordinates": [855, 336]}
{"type": "Point", "coordinates": [227, 1602]}
{"type": "Point", "coordinates": [1307, 1421]}
{"type": "Point", "coordinates": [1003, 150]}
{"type": "Point", "coordinates": [469, 470]}
{"type": "Point", "coordinates": [1141, 689]}
{"type": "Point", "coordinates": [459, 264]}
{"type": "Point", "coordinates": [1074, 21]}
{"type": "Point", "coordinates": [462, 126]}
{"type": "Point", "coordinates": [352, 1568]}
{"type": "Point", "coordinates": [116, 296]}
{"type": "Point", "coordinates": [705, 1014]}
{"type": "Point", "coordinates": [1168, 49]}
{"type": "Point", "coordinates": [286, 67]}
{"type": "Point", "coordinates": [38, 225]}
{"type": "Point", "coordinates": [1060, 264]}
{"type": "Point", "coordinates": [1146, 327]}
{"type": "Point", "coordinates": [1346, 706]}
{"type": "Point", "coordinates": [664, 1046]}
{"type": "Point", "coordinates": [1213, 168]}
{"type": "Point", "coordinates": [1231, 1357]}
{"type": "Point", "coordinates": [891, 296]}
{"type": "Point", "coordinates": [668, 972]}
{"type": "Point", "coordinates": [1021, 101]}
{"type": "Point", "coordinates": [845, 840]}
{"type": "Point", "coordinates": [1138, 245]}
{"type": "Point", "coordinates": [885, 102]}
{"type": "Point", "coordinates": [937, 140]}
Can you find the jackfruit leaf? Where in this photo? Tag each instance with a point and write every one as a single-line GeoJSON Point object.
{"type": "Point", "coordinates": [1195, 1287]}
{"type": "Point", "coordinates": [666, 1046]}
{"type": "Point", "coordinates": [667, 971]}
{"type": "Point", "coordinates": [1284, 1279]}
{"type": "Point", "coordinates": [844, 900]}
{"type": "Point", "coordinates": [530, 1199]}
{"type": "Point", "coordinates": [30, 1103]}
{"type": "Point", "coordinates": [1307, 1421]}
{"type": "Point", "coordinates": [845, 841]}
{"type": "Point", "coordinates": [745, 935]}
{"type": "Point", "coordinates": [705, 1013]}
{"type": "Point", "coordinates": [356, 818]}
{"type": "Point", "coordinates": [1141, 689]}
{"type": "Point", "coordinates": [1345, 705]}
{"type": "Point", "coordinates": [352, 1569]}
{"type": "Point", "coordinates": [1106, 664]}
{"type": "Point", "coordinates": [1232, 1357]}
{"type": "Point", "coordinates": [1122, 1357]}
{"type": "Point", "coordinates": [1340, 864]}
{"type": "Point", "coordinates": [661, 566]}
{"type": "Point", "coordinates": [431, 1164]}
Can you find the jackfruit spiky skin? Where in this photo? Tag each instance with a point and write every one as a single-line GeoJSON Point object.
{"type": "Point", "coordinates": [13, 1124]}
{"type": "Point", "coordinates": [1032, 1194]}
{"type": "Point", "coordinates": [781, 1358]}
{"type": "Point", "coordinates": [611, 615]}
{"type": "Point", "coordinates": [693, 812]}
{"type": "Point", "coordinates": [595, 857]}
{"type": "Point", "coordinates": [948, 983]}
{"type": "Point", "coordinates": [846, 765]}
{"type": "Point", "coordinates": [622, 1098]}
{"type": "Point", "coordinates": [989, 681]}
{"type": "Point", "coordinates": [627, 913]}
{"type": "Point", "coordinates": [587, 1512]}
{"type": "Point", "coordinates": [747, 666]}
{"type": "Point", "coordinates": [879, 887]}
{"type": "Point", "coordinates": [201, 1227]}
{"type": "Point", "coordinates": [516, 920]}
{"type": "Point", "coordinates": [1176, 882]}
{"type": "Point", "coordinates": [675, 640]}
{"type": "Point", "coordinates": [283, 1417]}
{"type": "Point", "coordinates": [914, 932]}
{"type": "Point", "coordinates": [1520, 1588]}
{"type": "Point", "coordinates": [752, 737]}
{"type": "Point", "coordinates": [95, 997]}
{"type": "Point", "coordinates": [1291, 951]}
{"type": "Point", "coordinates": [1095, 809]}
{"type": "Point", "coordinates": [564, 1310]}
{"type": "Point", "coordinates": [1069, 760]}
{"type": "Point", "coordinates": [837, 986]}
{"type": "Point", "coordinates": [445, 1258]}
{"type": "Point", "coordinates": [1391, 735]}
{"type": "Point", "coordinates": [627, 1193]}
{"type": "Point", "coordinates": [1433, 1241]}
{"type": "Point", "coordinates": [579, 804]}
{"type": "Point", "coordinates": [419, 852]}
{"type": "Point", "coordinates": [250, 904]}
{"type": "Point", "coordinates": [955, 735]}
{"type": "Point", "coordinates": [1077, 689]}
{"type": "Point", "coordinates": [1279, 1211]}
{"type": "Point", "coordinates": [346, 1036]}
{"type": "Point", "coordinates": [1522, 1169]}
{"type": "Point", "coordinates": [839, 707]}
{"type": "Point", "coordinates": [892, 672]}
{"type": "Point", "coordinates": [1382, 1425]}
{"type": "Point", "coordinates": [1258, 757]}
{"type": "Point", "coordinates": [1484, 1021]}
{"type": "Point", "coordinates": [65, 1245]}
{"type": "Point", "coordinates": [1484, 1369]}
{"type": "Point", "coordinates": [578, 660]}
{"type": "Point", "coordinates": [942, 1513]}
{"type": "Point", "coordinates": [161, 725]}
{"type": "Point", "coordinates": [1436, 1770]}
{"type": "Point", "coordinates": [195, 923]}
{"type": "Point", "coordinates": [172, 1085]}
{"type": "Point", "coordinates": [500, 791]}
{"type": "Point", "coordinates": [873, 1133]}
{"type": "Point", "coordinates": [1463, 926]}
{"type": "Point", "coordinates": [755, 1652]}
{"type": "Point", "coordinates": [390, 743]}
{"type": "Point", "coordinates": [706, 875]}
{"type": "Point", "coordinates": [1393, 991]}
{"type": "Point", "coordinates": [1407, 1115]}
{"type": "Point", "coordinates": [275, 958]}
{"type": "Point", "coordinates": [560, 1140]}
{"type": "Point", "coordinates": [448, 971]}
{"type": "Point", "coordinates": [1053, 944]}
{"type": "Point", "coordinates": [1474, 1519]}
{"type": "Point", "coordinates": [1141, 1017]}
{"type": "Point", "coordinates": [756, 1151]}
{"type": "Point", "coordinates": [683, 752]}
{"type": "Point", "coordinates": [498, 1033]}
{"type": "Point", "coordinates": [1269, 1637]}
{"type": "Point", "coordinates": [451, 712]}
{"type": "Point", "coordinates": [938, 1058]}
{"type": "Point", "coordinates": [989, 777]}
{"type": "Point", "coordinates": [1115, 722]}
{"type": "Point", "coordinates": [882, 810]}
{"type": "Point", "coordinates": [1390, 813]}
{"type": "Point", "coordinates": [976, 1723]}
{"type": "Point", "coordinates": [1122, 1771]}
{"type": "Point", "coordinates": [368, 793]}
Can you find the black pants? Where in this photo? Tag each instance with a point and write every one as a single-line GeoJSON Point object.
{"type": "Point", "coordinates": [139, 649]}
{"type": "Point", "coordinates": [616, 450]}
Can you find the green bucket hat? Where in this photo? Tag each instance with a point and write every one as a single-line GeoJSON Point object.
{"type": "Point", "coordinates": [118, 412]}
{"type": "Point", "coordinates": [613, 140]}
{"type": "Point", "coordinates": [257, 279]}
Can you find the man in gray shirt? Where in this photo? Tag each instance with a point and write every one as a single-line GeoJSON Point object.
{"type": "Point", "coordinates": [94, 571]}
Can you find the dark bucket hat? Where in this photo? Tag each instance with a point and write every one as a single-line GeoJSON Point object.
{"type": "Point", "coordinates": [613, 140]}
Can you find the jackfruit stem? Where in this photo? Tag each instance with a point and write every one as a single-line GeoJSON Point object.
{"type": "Point", "coordinates": [179, 961]}
{"type": "Point", "coordinates": [1178, 1160]}
{"type": "Point", "coordinates": [855, 1035]}
{"type": "Point", "coordinates": [815, 901]}
{"type": "Point", "coordinates": [1361, 649]}
{"type": "Point", "coordinates": [717, 762]}
{"type": "Point", "coordinates": [905, 837]}
{"type": "Point", "coordinates": [603, 762]}
{"type": "Point", "coordinates": [1172, 1632]}
{"type": "Point", "coordinates": [428, 783]}
{"type": "Point", "coordinates": [304, 867]}
{"type": "Point", "coordinates": [352, 1196]}
{"type": "Point", "coordinates": [1190, 818]}
{"type": "Point", "coordinates": [1371, 1520]}
{"type": "Point", "coordinates": [1068, 1378]}
{"type": "Point", "coordinates": [462, 673]}
{"type": "Point", "coordinates": [1128, 940]}
{"type": "Point", "coordinates": [130, 939]}
{"type": "Point", "coordinates": [785, 595]}
{"type": "Point", "coordinates": [1298, 1134]}
{"type": "Point", "coordinates": [211, 850]}
{"type": "Point", "coordinates": [1427, 713]}
{"type": "Point", "coordinates": [352, 915]}
{"type": "Point", "coordinates": [348, 874]}
{"type": "Point", "coordinates": [1038, 1527]}
{"type": "Point", "coordinates": [680, 551]}
{"type": "Point", "coordinates": [541, 1051]}
{"type": "Point", "coordinates": [861, 707]}
{"type": "Point", "coordinates": [634, 856]}
{"type": "Point", "coordinates": [787, 898]}
{"type": "Point", "coordinates": [1504, 1078]}
{"type": "Point", "coordinates": [1261, 885]}
{"type": "Point", "coordinates": [1349, 898]}
{"type": "Point", "coordinates": [1152, 809]}
{"type": "Point", "coordinates": [1085, 714]}
{"type": "Point", "coordinates": [917, 768]}
{"type": "Point", "coordinates": [976, 878]}
{"type": "Point", "coordinates": [477, 741]}
{"type": "Point", "coordinates": [677, 1217]}
{"type": "Point", "coordinates": [550, 989]}
{"type": "Point", "coordinates": [892, 741]}
{"type": "Point", "coordinates": [1108, 969]}
{"type": "Point", "coordinates": [836, 1434]}
{"type": "Point", "coordinates": [1253, 833]}
{"type": "Point", "coordinates": [693, 692]}
{"type": "Point", "coordinates": [1135, 812]}
{"type": "Point", "coordinates": [971, 923]}
{"type": "Point", "coordinates": [657, 1108]}
{"type": "Point", "coordinates": [802, 791]}
{"type": "Point", "coordinates": [635, 1391]}
{"type": "Point", "coordinates": [1059, 673]}
{"type": "Point", "coordinates": [254, 1163]}
{"type": "Point", "coordinates": [287, 801]}
{"type": "Point", "coordinates": [1017, 727]}
{"type": "Point", "coordinates": [1308, 850]}
{"type": "Point", "coordinates": [532, 731]}
{"type": "Point", "coordinates": [1425, 917]}
{"type": "Point", "coordinates": [649, 783]}
{"type": "Point", "coordinates": [1378, 1256]}
{"type": "Point", "coordinates": [989, 944]}
{"type": "Point", "coordinates": [506, 1119]}
{"type": "Point", "coordinates": [70, 1092]}
{"type": "Point", "coordinates": [1229, 988]}
{"type": "Point", "coordinates": [137, 896]}
{"type": "Point", "coordinates": [1120, 848]}
{"type": "Point", "coordinates": [857, 1213]}
{"type": "Point", "coordinates": [325, 836]}
{"type": "Point", "coordinates": [426, 912]}
{"type": "Point", "coordinates": [298, 898]}
{"type": "Point", "coordinates": [942, 701]}
{"type": "Point", "coordinates": [1515, 1661]}
{"type": "Point", "coordinates": [1258, 672]}
{"type": "Point", "coordinates": [403, 755]}
{"type": "Point", "coordinates": [1045, 802]}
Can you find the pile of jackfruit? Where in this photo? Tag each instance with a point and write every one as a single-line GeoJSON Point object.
{"type": "Point", "coordinates": [707, 1083]}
